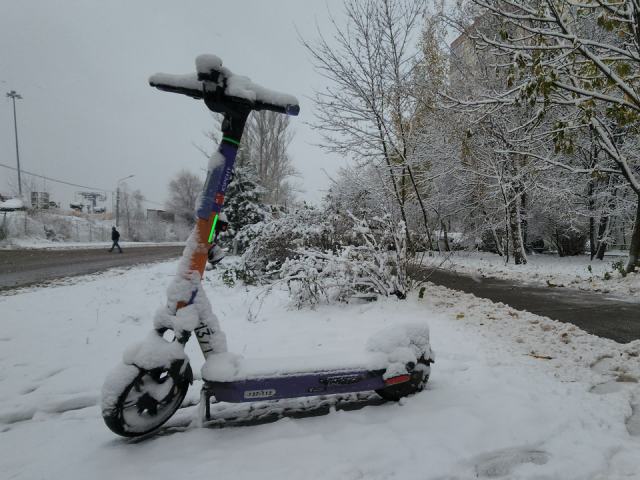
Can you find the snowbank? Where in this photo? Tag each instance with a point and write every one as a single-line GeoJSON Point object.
{"type": "Point", "coordinates": [546, 270]}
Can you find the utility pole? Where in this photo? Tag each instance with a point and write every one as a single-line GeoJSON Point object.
{"type": "Point", "coordinates": [13, 95]}
{"type": "Point", "coordinates": [118, 198]}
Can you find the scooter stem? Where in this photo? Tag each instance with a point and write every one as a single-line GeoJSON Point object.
{"type": "Point", "coordinates": [215, 187]}
{"type": "Point", "coordinates": [235, 97]}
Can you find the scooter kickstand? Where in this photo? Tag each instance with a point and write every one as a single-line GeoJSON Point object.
{"type": "Point", "coordinates": [203, 409]}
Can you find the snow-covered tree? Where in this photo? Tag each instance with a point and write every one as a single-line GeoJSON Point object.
{"type": "Point", "coordinates": [577, 63]}
{"type": "Point", "coordinates": [243, 203]}
{"type": "Point", "coordinates": [131, 212]}
{"type": "Point", "coordinates": [183, 194]}
{"type": "Point", "coordinates": [367, 112]}
{"type": "Point", "coordinates": [265, 145]}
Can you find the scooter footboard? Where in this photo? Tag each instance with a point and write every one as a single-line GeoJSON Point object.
{"type": "Point", "coordinates": [291, 386]}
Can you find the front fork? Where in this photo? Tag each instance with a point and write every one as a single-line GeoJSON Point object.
{"type": "Point", "coordinates": [215, 187]}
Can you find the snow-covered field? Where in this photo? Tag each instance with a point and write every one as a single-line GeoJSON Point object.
{"type": "Point", "coordinates": [545, 270]}
{"type": "Point", "coordinates": [495, 407]}
{"type": "Point", "coordinates": [54, 228]}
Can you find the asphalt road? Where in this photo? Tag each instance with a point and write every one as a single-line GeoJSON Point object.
{"type": "Point", "coordinates": [604, 315]}
{"type": "Point", "coordinates": [24, 267]}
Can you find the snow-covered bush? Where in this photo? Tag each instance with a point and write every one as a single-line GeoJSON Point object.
{"type": "Point", "coordinates": [273, 241]}
{"type": "Point", "coordinates": [326, 258]}
{"type": "Point", "coordinates": [375, 265]}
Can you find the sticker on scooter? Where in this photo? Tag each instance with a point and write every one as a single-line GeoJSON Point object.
{"type": "Point", "coordinates": [259, 393]}
{"type": "Point", "coordinates": [342, 379]}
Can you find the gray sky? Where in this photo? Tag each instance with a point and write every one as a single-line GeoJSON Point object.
{"type": "Point", "coordinates": [88, 115]}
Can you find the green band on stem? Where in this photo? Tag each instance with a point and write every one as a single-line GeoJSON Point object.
{"type": "Point", "coordinates": [213, 228]}
{"type": "Point", "coordinates": [232, 141]}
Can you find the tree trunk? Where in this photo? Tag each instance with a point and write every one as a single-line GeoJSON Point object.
{"type": "Point", "coordinates": [592, 236]}
{"type": "Point", "coordinates": [592, 221]}
{"type": "Point", "coordinates": [559, 244]}
{"type": "Point", "coordinates": [446, 237]}
{"type": "Point", "coordinates": [603, 233]}
{"type": "Point", "coordinates": [424, 211]}
{"type": "Point", "coordinates": [634, 250]}
{"type": "Point", "coordinates": [515, 225]}
{"type": "Point", "coordinates": [524, 223]}
{"type": "Point", "coordinates": [497, 241]}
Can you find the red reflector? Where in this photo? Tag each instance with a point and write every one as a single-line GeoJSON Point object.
{"type": "Point", "coordinates": [394, 380]}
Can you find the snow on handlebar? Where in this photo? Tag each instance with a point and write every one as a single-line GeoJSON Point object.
{"type": "Point", "coordinates": [213, 80]}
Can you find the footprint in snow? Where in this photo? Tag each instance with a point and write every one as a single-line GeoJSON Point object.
{"type": "Point", "coordinates": [502, 462]}
{"type": "Point", "coordinates": [633, 422]}
{"type": "Point", "coordinates": [603, 366]}
{"type": "Point", "coordinates": [606, 388]}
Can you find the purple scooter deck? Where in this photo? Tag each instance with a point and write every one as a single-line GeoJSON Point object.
{"type": "Point", "coordinates": [292, 386]}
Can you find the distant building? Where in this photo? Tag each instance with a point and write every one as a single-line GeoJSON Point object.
{"type": "Point", "coordinates": [161, 215]}
{"type": "Point", "coordinates": [466, 62]}
{"type": "Point", "coordinates": [40, 200]}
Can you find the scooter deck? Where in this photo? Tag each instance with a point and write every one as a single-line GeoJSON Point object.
{"type": "Point", "coordinates": [290, 377]}
{"type": "Point", "coordinates": [298, 385]}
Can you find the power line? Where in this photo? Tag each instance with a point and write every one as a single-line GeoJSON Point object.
{"type": "Point", "coordinates": [54, 180]}
{"type": "Point", "coordinates": [155, 203]}
{"type": "Point", "coordinates": [72, 184]}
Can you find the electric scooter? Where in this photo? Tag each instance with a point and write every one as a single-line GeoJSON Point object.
{"type": "Point", "coordinates": [150, 384]}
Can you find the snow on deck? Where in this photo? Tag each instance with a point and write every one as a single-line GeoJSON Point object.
{"type": "Point", "coordinates": [511, 395]}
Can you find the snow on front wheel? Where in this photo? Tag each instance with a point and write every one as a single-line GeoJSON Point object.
{"type": "Point", "coordinates": [147, 400]}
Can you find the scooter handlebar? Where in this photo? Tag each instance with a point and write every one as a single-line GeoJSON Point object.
{"type": "Point", "coordinates": [212, 86]}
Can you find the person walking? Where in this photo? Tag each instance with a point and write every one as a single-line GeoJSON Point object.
{"type": "Point", "coordinates": [115, 236]}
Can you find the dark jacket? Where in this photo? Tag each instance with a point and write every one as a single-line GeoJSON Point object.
{"type": "Point", "coordinates": [115, 235]}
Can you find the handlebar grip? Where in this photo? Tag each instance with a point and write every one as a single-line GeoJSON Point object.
{"type": "Point", "coordinates": [293, 110]}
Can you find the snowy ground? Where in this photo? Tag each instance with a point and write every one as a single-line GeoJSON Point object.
{"type": "Point", "coordinates": [546, 270]}
{"type": "Point", "coordinates": [495, 407]}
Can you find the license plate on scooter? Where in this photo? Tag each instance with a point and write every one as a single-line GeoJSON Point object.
{"type": "Point", "coordinates": [259, 393]}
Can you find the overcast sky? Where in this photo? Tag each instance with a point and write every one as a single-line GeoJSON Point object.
{"type": "Point", "coordinates": [88, 115]}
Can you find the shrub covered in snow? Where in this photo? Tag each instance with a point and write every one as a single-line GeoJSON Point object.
{"type": "Point", "coordinates": [273, 241]}
{"type": "Point", "coordinates": [322, 257]}
{"type": "Point", "coordinates": [375, 265]}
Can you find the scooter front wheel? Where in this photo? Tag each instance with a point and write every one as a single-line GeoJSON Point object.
{"type": "Point", "coordinates": [149, 400]}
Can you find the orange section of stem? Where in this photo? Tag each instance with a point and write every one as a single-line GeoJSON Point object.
{"type": "Point", "coordinates": [200, 255]}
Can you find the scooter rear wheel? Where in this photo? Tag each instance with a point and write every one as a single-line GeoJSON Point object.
{"type": "Point", "coordinates": [418, 379]}
{"type": "Point", "coordinates": [149, 400]}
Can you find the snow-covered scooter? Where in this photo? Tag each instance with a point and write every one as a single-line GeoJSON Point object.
{"type": "Point", "coordinates": [147, 388]}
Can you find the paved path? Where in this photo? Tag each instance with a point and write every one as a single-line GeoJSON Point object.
{"type": "Point", "coordinates": [604, 315]}
{"type": "Point", "coordinates": [26, 267]}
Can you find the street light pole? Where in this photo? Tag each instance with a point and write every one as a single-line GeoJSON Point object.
{"type": "Point", "coordinates": [118, 198]}
{"type": "Point", "coordinates": [13, 95]}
